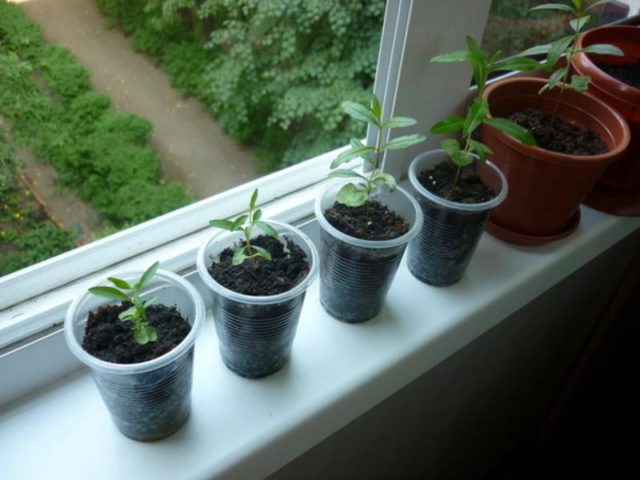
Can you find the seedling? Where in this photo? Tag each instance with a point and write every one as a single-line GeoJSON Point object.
{"type": "Point", "coordinates": [478, 111]}
{"type": "Point", "coordinates": [143, 333]}
{"type": "Point", "coordinates": [245, 223]}
{"type": "Point", "coordinates": [359, 192]}
{"type": "Point", "coordinates": [567, 47]}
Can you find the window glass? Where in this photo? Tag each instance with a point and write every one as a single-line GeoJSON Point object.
{"type": "Point", "coordinates": [512, 29]}
{"type": "Point", "coordinates": [129, 110]}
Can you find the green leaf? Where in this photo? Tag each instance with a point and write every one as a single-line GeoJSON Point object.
{"type": "Point", "coordinates": [238, 256]}
{"type": "Point", "coordinates": [129, 315]}
{"type": "Point", "coordinates": [257, 215]}
{"type": "Point", "coordinates": [386, 179]}
{"type": "Point", "coordinates": [223, 224]}
{"type": "Point", "coordinates": [537, 50]}
{"type": "Point", "coordinates": [367, 156]}
{"type": "Point", "coordinates": [552, 6]}
{"type": "Point", "coordinates": [580, 83]}
{"type": "Point", "coordinates": [268, 229]}
{"type": "Point", "coordinates": [238, 222]}
{"type": "Point", "coordinates": [262, 252]}
{"type": "Point", "coordinates": [345, 173]}
{"type": "Point", "coordinates": [448, 125]}
{"type": "Point", "coordinates": [517, 64]}
{"type": "Point", "coordinates": [376, 107]}
{"type": "Point", "coordinates": [452, 57]}
{"type": "Point", "coordinates": [480, 149]}
{"type": "Point", "coordinates": [404, 141]}
{"type": "Point", "coordinates": [110, 293]}
{"type": "Point", "coordinates": [512, 129]}
{"type": "Point", "coordinates": [118, 282]}
{"type": "Point", "coordinates": [350, 155]}
{"type": "Point", "coordinates": [399, 122]}
{"type": "Point", "coordinates": [558, 48]}
{"type": "Point", "coordinates": [254, 199]}
{"type": "Point", "coordinates": [147, 276]}
{"type": "Point", "coordinates": [602, 49]}
{"type": "Point", "coordinates": [360, 112]}
{"type": "Point", "coordinates": [555, 78]}
{"type": "Point", "coordinates": [577, 4]}
{"type": "Point", "coordinates": [476, 114]}
{"type": "Point", "coordinates": [452, 147]}
{"type": "Point", "coordinates": [579, 23]}
{"type": "Point", "coordinates": [352, 195]}
{"type": "Point", "coordinates": [145, 334]}
{"type": "Point", "coordinates": [149, 302]}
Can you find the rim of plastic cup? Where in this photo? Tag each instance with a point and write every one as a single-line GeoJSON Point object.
{"type": "Point", "coordinates": [141, 367]}
{"type": "Point", "coordinates": [470, 207]}
{"type": "Point", "coordinates": [360, 242]}
{"type": "Point", "coordinates": [201, 263]}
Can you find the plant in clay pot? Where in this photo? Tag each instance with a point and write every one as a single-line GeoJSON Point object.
{"type": "Point", "coordinates": [457, 187]}
{"type": "Point", "coordinates": [140, 350]}
{"type": "Point", "coordinates": [615, 80]}
{"type": "Point", "coordinates": [577, 137]}
{"type": "Point", "coordinates": [365, 222]}
{"type": "Point", "coordinates": [258, 273]}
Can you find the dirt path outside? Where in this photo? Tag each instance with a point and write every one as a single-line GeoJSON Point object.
{"type": "Point", "coordinates": [195, 151]}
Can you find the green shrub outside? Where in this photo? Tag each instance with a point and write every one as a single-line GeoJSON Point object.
{"type": "Point", "coordinates": [272, 72]}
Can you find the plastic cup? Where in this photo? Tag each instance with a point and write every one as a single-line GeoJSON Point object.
{"type": "Point", "coordinates": [440, 253]}
{"type": "Point", "coordinates": [148, 400]}
{"type": "Point", "coordinates": [256, 333]}
{"type": "Point", "coordinates": [355, 274]}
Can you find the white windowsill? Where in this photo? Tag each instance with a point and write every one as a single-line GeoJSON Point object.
{"type": "Point", "coordinates": [249, 428]}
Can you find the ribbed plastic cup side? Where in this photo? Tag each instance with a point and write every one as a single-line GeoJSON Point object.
{"type": "Point", "coordinates": [354, 281]}
{"type": "Point", "coordinates": [355, 274]}
{"type": "Point", "coordinates": [148, 400]}
{"type": "Point", "coordinates": [440, 253]}
{"type": "Point", "coordinates": [150, 405]}
{"type": "Point", "coordinates": [256, 340]}
{"type": "Point", "coordinates": [256, 333]}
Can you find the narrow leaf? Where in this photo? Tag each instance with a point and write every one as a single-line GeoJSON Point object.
{"type": "Point", "coordinates": [360, 112]}
{"type": "Point", "coordinates": [110, 293]}
{"type": "Point", "coordinates": [480, 149]}
{"type": "Point", "coordinates": [558, 48]}
{"type": "Point", "coordinates": [537, 50]}
{"type": "Point", "coordinates": [150, 301]}
{"type": "Point", "coordinates": [262, 252]}
{"type": "Point", "coordinates": [118, 282]}
{"type": "Point", "coordinates": [238, 256]}
{"type": "Point", "coordinates": [268, 229]}
{"type": "Point", "coordinates": [556, 77]}
{"type": "Point", "coordinates": [512, 129]}
{"type": "Point", "coordinates": [376, 107]}
{"type": "Point", "coordinates": [399, 122]}
{"type": "Point", "coordinates": [579, 23]}
{"type": "Point", "coordinates": [404, 141]}
{"type": "Point", "coordinates": [345, 173]}
{"type": "Point", "coordinates": [238, 222]}
{"type": "Point", "coordinates": [257, 215]}
{"type": "Point", "coordinates": [517, 64]}
{"type": "Point", "coordinates": [223, 224]}
{"type": "Point", "coordinates": [552, 6]}
{"type": "Point", "coordinates": [350, 155]}
{"type": "Point", "coordinates": [452, 57]}
{"type": "Point", "coordinates": [254, 199]}
{"type": "Point", "coordinates": [596, 4]}
{"type": "Point", "coordinates": [448, 125]}
{"type": "Point", "coordinates": [475, 115]}
{"type": "Point", "coordinates": [602, 49]}
{"type": "Point", "coordinates": [148, 275]}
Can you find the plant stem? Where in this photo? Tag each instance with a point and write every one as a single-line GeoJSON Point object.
{"type": "Point", "coordinates": [376, 153]}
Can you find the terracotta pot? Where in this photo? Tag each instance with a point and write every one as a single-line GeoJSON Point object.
{"type": "Point", "coordinates": [546, 187]}
{"type": "Point", "coordinates": [618, 190]}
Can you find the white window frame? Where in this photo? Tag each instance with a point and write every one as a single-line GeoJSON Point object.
{"type": "Point", "coordinates": [412, 33]}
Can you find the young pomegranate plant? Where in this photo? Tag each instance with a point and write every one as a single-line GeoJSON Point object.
{"type": "Point", "coordinates": [143, 333]}
{"type": "Point", "coordinates": [245, 223]}
{"type": "Point", "coordinates": [477, 113]}
{"type": "Point", "coordinates": [359, 192]}
{"type": "Point", "coordinates": [567, 47]}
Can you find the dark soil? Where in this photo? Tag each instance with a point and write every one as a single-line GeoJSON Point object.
{"type": "Point", "coordinates": [371, 221]}
{"type": "Point", "coordinates": [257, 276]}
{"type": "Point", "coordinates": [629, 73]}
{"type": "Point", "coordinates": [468, 189]}
{"type": "Point", "coordinates": [558, 135]}
{"type": "Point", "coordinates": [110, 339]}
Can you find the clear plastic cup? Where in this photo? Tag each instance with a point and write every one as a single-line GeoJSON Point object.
{"type": "Point", "coordinates": [148, 400]}
{"type": "Point", "coordinates": [355, 274]}
{"type": "Point", "coordinates": [440, 253]}
{"type": "Point", "coordinates": [256, 333]}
